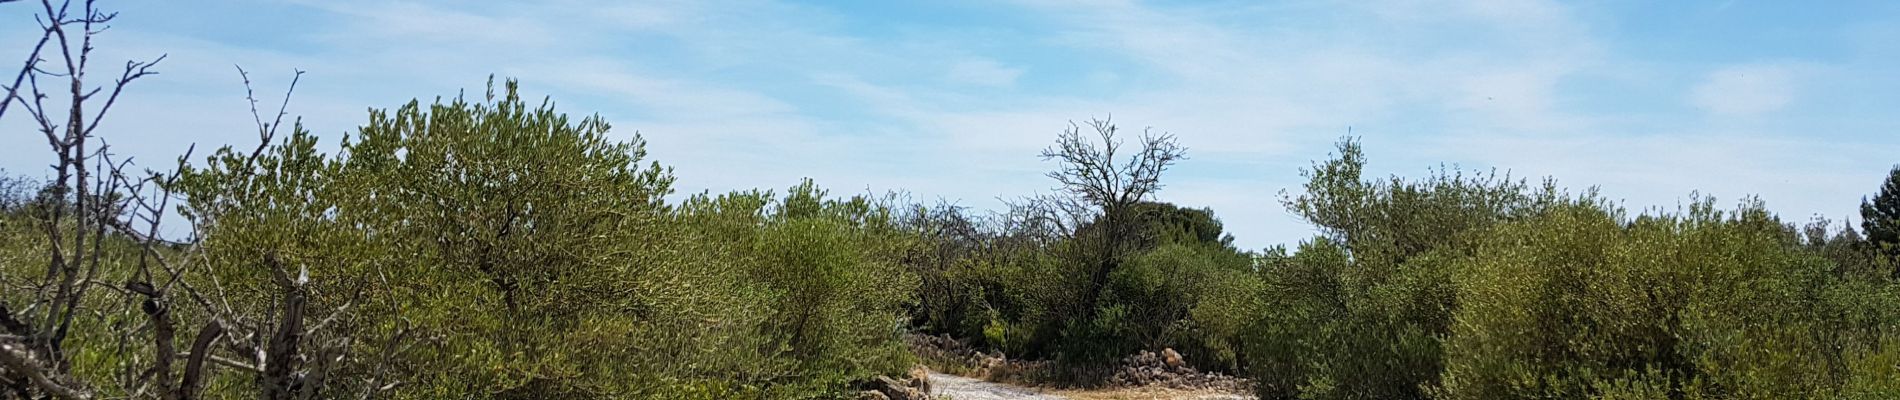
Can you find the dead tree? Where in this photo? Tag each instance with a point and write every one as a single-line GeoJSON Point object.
{"type": "Point", "coordinates": [93, 199]}
{"type": "Point", "coordinates": [78, 204]}
{"type": "Point", "coordinates": [1102, 191]}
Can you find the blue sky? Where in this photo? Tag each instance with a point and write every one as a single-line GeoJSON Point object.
{"type": "Point", "coordinates": [1797, 102]}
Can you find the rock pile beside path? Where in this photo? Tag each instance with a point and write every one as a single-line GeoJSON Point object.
{"type": "Point", "coordinates": [914, 387]}
{"type": "Point", "coordinates": [953, 356]}
{"type": "Point", "coordinates": [1169, 369]}
{"type": "Point", "coordinates": [1164, 369]}
{"type": "Point", "coordinates": [951, 353]}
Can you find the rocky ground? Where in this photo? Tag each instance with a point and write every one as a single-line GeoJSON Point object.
{"type": "Point", "coordinates": [915, 386]}
{"type": "Point", "coordinates": [1168, 370]}
{"type": "Point", "coordinates": [977, 375]}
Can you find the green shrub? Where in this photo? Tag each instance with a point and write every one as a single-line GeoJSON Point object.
{"type": "Point", "coordinates": [1873, 371]}
{"type": "Point", "coordinates": [1189, 297]}
{"type": "Point", "coordinates": [833, 292]}
{"type": "Point", "coordinates": [531, 257]}
{"type": "Point", "coordinates": [1463, 287]}
{"type": "Point", "coordinates": [1576, 304]}
{"type": "Point", "coordinates": [1382, 293]}
{"type": "Point", "coordinates": [1283, 342]}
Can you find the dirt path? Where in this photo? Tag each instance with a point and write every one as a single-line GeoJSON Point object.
{"type": "Point", "coordinates": [961, 388]}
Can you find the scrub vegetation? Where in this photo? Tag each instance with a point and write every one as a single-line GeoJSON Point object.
{"type": "Point", "coordinates": [491, 246]}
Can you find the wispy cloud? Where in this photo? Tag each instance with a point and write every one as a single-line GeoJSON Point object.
{"type": "Point", "coordinates": [954, 100]}
{"type": "Point", "coordinates": [1745, 90]}
{"type": "Point", "coordinates": [984, 72]}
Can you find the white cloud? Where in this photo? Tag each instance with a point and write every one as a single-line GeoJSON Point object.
{"type": "Point", "coordinates": [1745, 90]}
{"type": "Point", "coordinates": [415, 22]}
{"type": "Point", "coordinates": [1517, 100]}
{"type": "Point", "coordinates": [761, 93]}
{"type": "Point", "coordinates": [984, 72]}
{"type": "Point", "coordinates": [1244, 98]}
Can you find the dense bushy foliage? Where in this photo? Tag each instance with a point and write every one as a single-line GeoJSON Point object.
{"type": "Point", "coordinates": [1880, 217]}
{"type": "Point", "coordinates": [1187, 288]}
{"type": "Point", "coordinates": [493, 249]}
{"type": "Point", "coordinates": [1475, 288]}
{"type": "Point", "coordinates": [1698, 304]}
{"type": "Point", "coordinates": [1359, 312]}
{"type": "Point", "coordinates": [834, 296]}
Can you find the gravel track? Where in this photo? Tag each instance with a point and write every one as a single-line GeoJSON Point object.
{"type": "Point", "coordinates": [961, 388]}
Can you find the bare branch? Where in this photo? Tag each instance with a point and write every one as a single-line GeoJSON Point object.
{"type": "Point", "coordinates": [133, 71]}
{"type": "Point", "coordinates": [11, 356]}
{"type": "Point", "coordinates": [32, 59]}
{"type": "Point", "coordinates": [227, 362]}
{"type": "Point", "coordinates": [1092, 172]}
{"type": "Point", "coordinates": [195, 360]}
{"type": "Point", "coordinates": [267, 132]}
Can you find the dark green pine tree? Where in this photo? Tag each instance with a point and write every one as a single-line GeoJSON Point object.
{"type": "Point", "coordinates": [1880, 218]}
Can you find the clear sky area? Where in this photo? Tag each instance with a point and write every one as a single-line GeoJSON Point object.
{"type": "Point", "coordinates": [1795, 102]}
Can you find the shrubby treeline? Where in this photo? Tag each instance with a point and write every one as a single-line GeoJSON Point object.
{"type": "Point", "coordinates": [493, 247]}
{"type": "Point", "coordinates": [1480, 287]}
{"type": "Point", "coordinates": [528, 256]}
{"type": "Point", "coordinates": [490, 248]}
